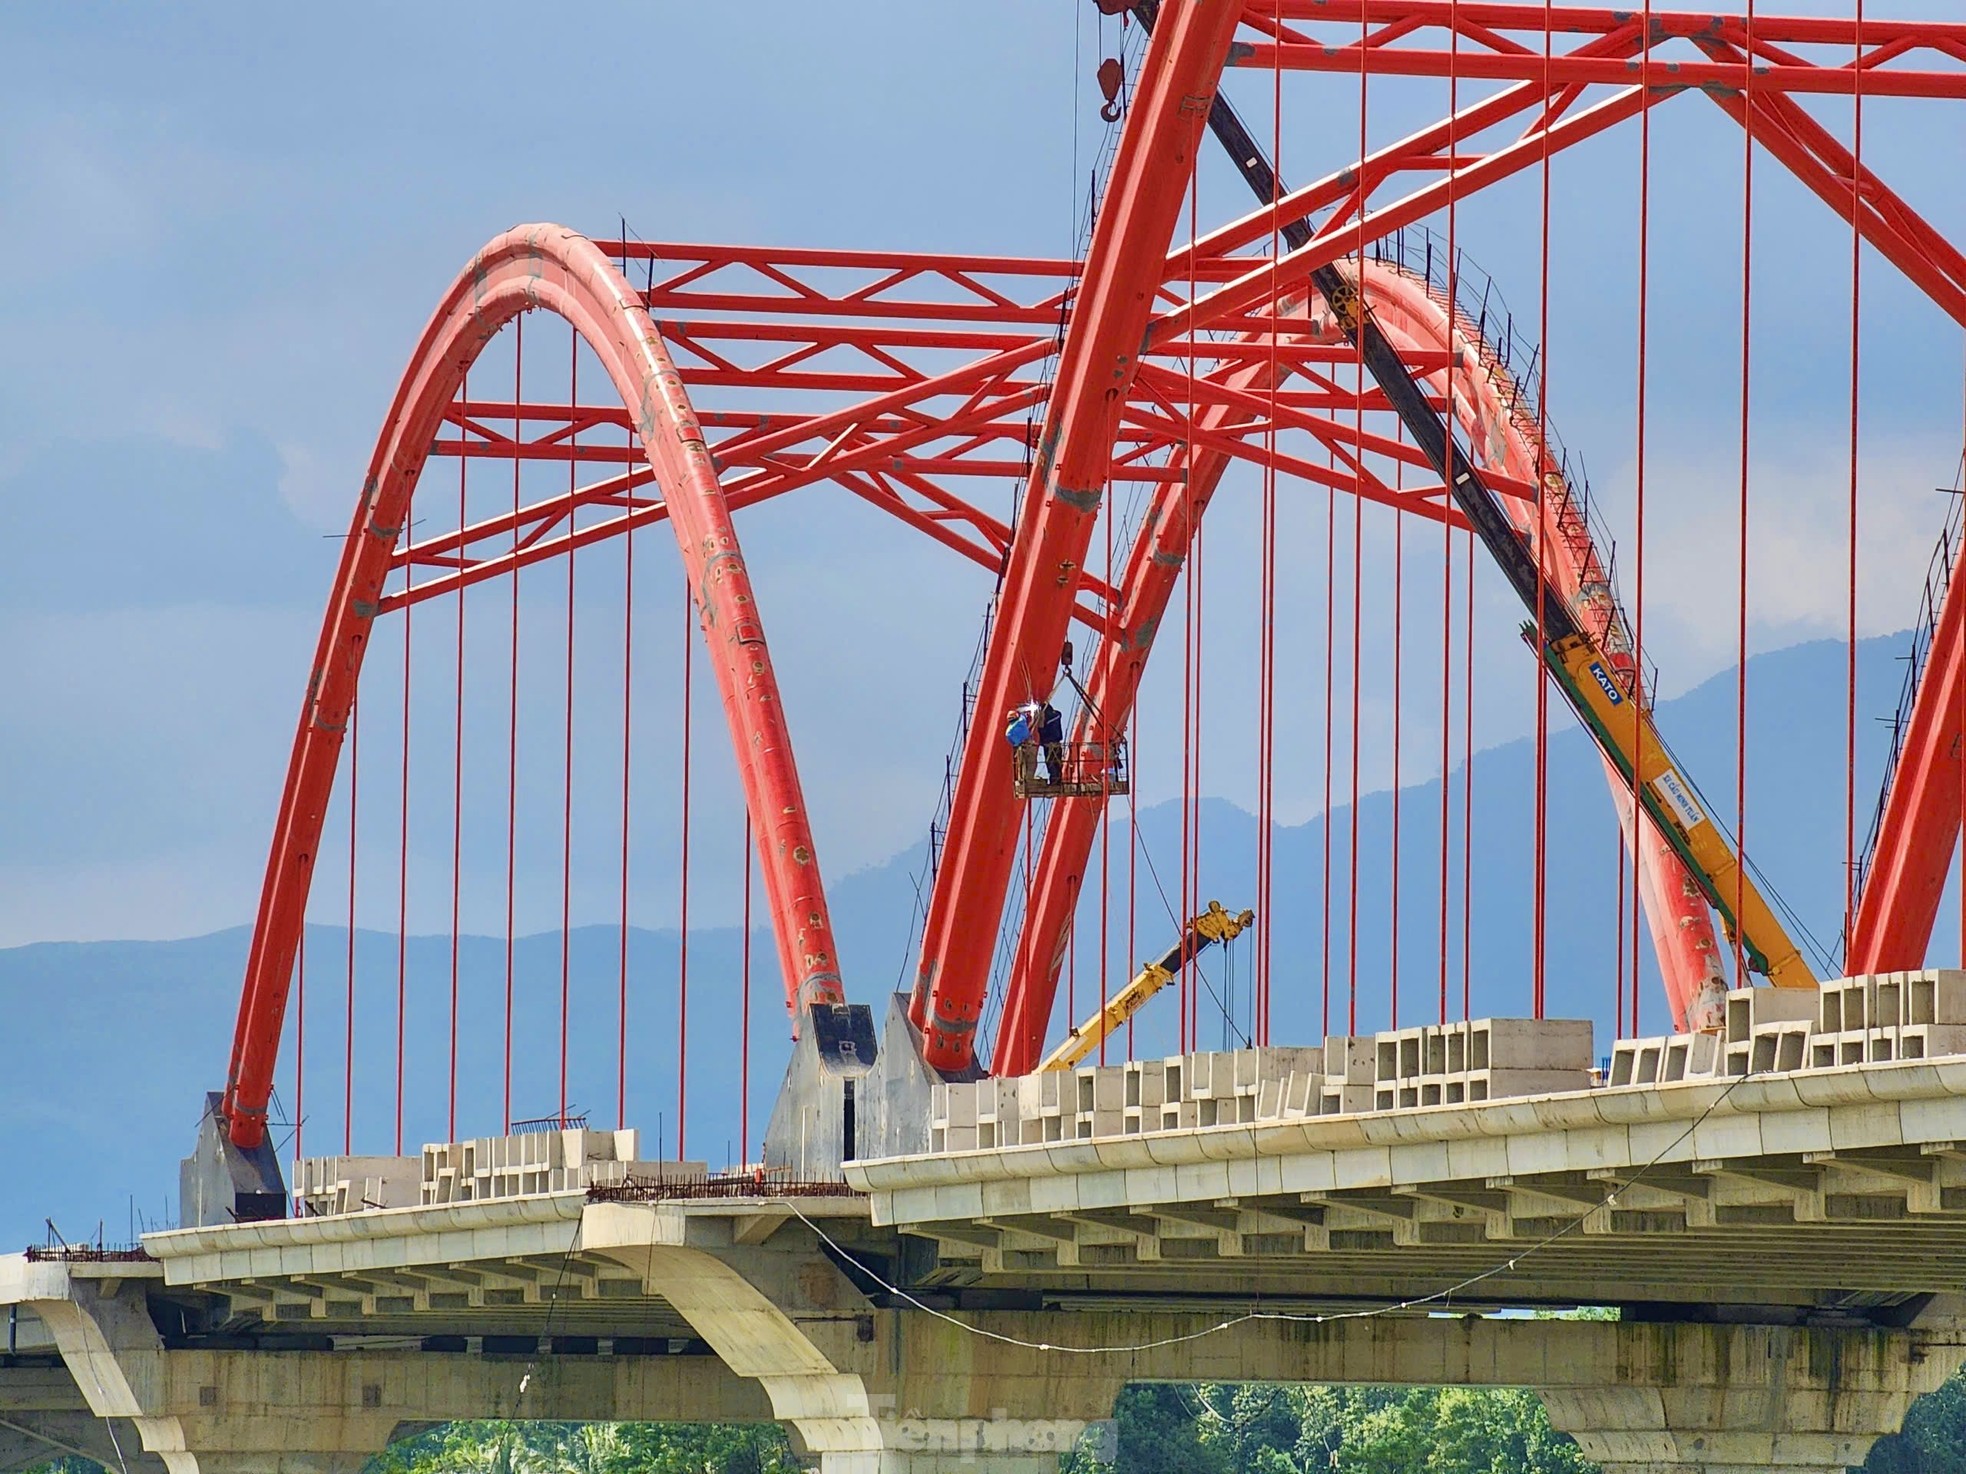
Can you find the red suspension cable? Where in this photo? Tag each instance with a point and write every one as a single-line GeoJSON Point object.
{"type": "Point", "coordinates": [1358, 556]}
{"type": "Point", "coordinates": [1446, 527]}
{"type": "Point", "coordinates": [682, 965]}
{"type": "Point", "coordinates": [1741, 627]}
{"type": "Point", "coordinates": [1446, 729]}
{"type": "Point", "coordinates": [627, 751]}
{"type": "Point", "coordinates": [1467, 787]}
{"type": "Point", "coordinates": [744, 1028]}
{"type": "Point", "coordinates": [1267, 651]}
{"type": "Point", "coordinates": [457, 803]}
{"type": "Point", "coordinates": [1856, 341]}
{"type": "Point", "coordinates": [300, 1051]}
{"type": "Point", "coordinates": [1192, 673]}
{"type": "Point", "coordinates": [1106, 812]}
{"type": "Point", "coordinates": [1185, 986]}
{"type": "Point", "coordinates": [566, 791]}
{"type": "Point", "coordinates": [1195, 751]}
{"type": "Point", "coordinates": [1399, 701]}
{"type": "Point", "coordinates": [1634, 815]}
{"type": "Point", "coordinates": [403, 877]}
{"type": "Point", "coordinates": [1540, 816]}
{"type": "Point", "coordinates": [1358, 606]}
{"type": "Point", "coordinates": [512, 710]}
{"type": "Point", "coordinates": [348, 1043]}
{"type": "Point", "coordinates": [1330, 690]}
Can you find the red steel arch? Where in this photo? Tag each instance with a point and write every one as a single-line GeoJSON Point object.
{"type": "Point", "coordinates": [1754, 77]}
{"type": "Point", "coordinates": [534, 267]}
{"type": "Point", "coordinates": [1504, 440]}
{"type": "Point", "coordinates": [1138, 318]}
{"type": "Point", "coordinates": [1097, 365]}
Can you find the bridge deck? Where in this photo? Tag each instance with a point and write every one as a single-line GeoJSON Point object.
{"type": "Point", "coordinates": [1837, 1188]}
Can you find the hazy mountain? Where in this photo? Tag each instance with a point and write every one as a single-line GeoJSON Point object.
{"type": "Point", "coordinates": [110, 1045]}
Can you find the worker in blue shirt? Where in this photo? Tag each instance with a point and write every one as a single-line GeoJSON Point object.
{"type": "Point", "coordinates": [1022, 735]}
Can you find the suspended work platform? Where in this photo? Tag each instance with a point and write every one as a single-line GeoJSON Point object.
{"type": "Point", "coordinates": [1084, 770]}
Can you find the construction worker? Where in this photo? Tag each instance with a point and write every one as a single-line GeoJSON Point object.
{"type": "Point", "coordinates": [1051, 732]}
{"type": "Point", "coordinates": [1022, 735]}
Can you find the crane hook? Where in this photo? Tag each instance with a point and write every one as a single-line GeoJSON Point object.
{"type": "Point", "coordinates": [1111, 75]}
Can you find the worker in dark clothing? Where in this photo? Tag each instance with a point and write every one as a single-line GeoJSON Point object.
{"type": "Point", "coordinates": [1051, 732]}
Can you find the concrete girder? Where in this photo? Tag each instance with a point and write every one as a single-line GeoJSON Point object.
{"type": "Point", "coordinates": [297, 1412]}
{"type": "Point", "coordinates": [40, 1389]}
{"type": "Point", "coordinates": [870, 1387]}
{"type": "Point", "coordinates": [30, 1438]}
{"type": "Point", "coordinates": [1771, 1419]}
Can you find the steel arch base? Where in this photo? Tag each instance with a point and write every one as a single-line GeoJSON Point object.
{"type": "Point", "coordinates": [534, 267]}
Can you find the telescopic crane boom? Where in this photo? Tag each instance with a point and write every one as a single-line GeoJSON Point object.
{"type": "Point", "coordinates": [1213, 925]}
{"type": "Point", "coordinates": [1608, 707]}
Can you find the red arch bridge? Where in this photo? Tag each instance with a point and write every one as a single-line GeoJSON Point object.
{"type": "Point", "coordinates": [1275, 309]}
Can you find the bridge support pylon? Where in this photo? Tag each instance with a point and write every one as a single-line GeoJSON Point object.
{"type": "Point", "coordinates": [205, 1412]}
{"type": "Point", "coordinates": [1717, 1399]}
{"type": "Point", "coordinates": [1000, 1445]}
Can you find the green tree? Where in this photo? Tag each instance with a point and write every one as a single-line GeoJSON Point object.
{"type": "Point", "coordinates": [1934, 1436]}
{"type": "Point", "coordinates": [1158, 1433]}
{"type": "Point", "coordinates": [1255, 1426]}
{"type": "Point", "coordinates": [1335, 1430]}
{"type": "Point", "coordinates": [693, 1448]}
{"type": "Point", "coordinates": [591, 1448]}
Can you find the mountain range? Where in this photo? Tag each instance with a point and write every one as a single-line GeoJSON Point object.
{"type": "Point", "coordinates": [111, 1045]}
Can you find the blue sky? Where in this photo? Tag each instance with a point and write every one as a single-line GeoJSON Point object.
{"type": "Point", "coordinates": [226, 224]}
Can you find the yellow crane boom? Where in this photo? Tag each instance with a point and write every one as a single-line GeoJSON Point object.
{"type": "Point", "coordinates": [1216, 924]}
{"type": "Point", "coordinates": [1624, 730]}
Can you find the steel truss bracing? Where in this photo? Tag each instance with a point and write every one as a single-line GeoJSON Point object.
{"type": "Point", "coordinates": [1473, 149]}
{"type": "Point", "coordinates": [920, 383]}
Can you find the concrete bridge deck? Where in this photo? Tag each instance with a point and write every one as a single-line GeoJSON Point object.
{"type": "Point", "coordinates": [1786, 1253]}
{"type": "Point", "coordinates": [1838, 1190]}
{"type": "Point", "coordinates": [302, 1347]}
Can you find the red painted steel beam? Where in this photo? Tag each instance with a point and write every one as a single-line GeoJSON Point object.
{"type": "Point", "coordinates": [1471, 16]}
{"type": "Point", "coordinates": [1123, 273]}
{"type": "Point", "coordinates": [1417, 323]}
{"type": "Point", "coordinates": [1758, 79]}
{"type": "Point", "coordinates": [989, 393]}
{"type": "Point", "coordinates": [1900, 234]}
{"type": "Point", "coordinates": [1921, 822]}
{"type": "Point", "coordinates": [1273, 279]}
{"type": "Point", "coordinates": [1329, 430]}
{"type": "Point", "coordinates": [880, 336]}
{"type": "Point", "coordinates": [1433, 149]}
{"type": "Point", "coordinates": [462, 572]}
{"type": "Point", "coordinates": [533, 267]}
{"type": "Point", "coordinates": [1239, 442]}
{"type": "Point", "coordinates": [771, 447]}
{"type": "Point", "coordinates": [1154, 566]}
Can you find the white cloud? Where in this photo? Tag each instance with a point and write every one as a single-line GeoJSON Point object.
{"type": "Point", "coordinates": [1798, 544]}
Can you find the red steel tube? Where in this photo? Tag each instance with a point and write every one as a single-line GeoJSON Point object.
{"type": "Point", "coordinates": [535, 266]}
